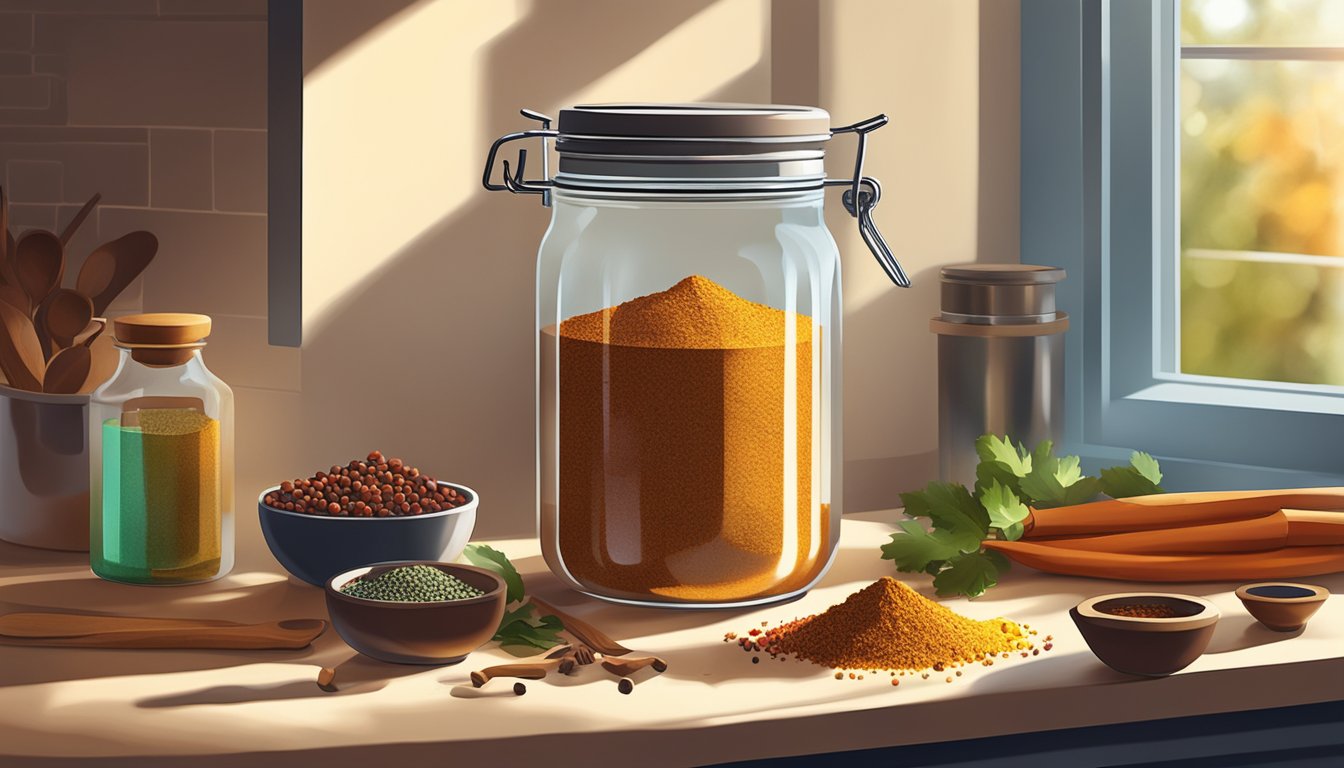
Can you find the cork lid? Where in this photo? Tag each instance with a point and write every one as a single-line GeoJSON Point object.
{"type": "Point", "coordinates": [160, 328]}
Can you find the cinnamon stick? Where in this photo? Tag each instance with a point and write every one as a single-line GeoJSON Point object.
{"type": "Point", "coordinates": [1289, 562]}
{"type": "Point", "coordinates": [1174, 510]}
{"type": "Point", "coordinates": [583, 631]}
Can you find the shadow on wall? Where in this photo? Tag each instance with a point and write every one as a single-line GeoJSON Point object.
{"type": "Point", "coordinates": [437, 344]}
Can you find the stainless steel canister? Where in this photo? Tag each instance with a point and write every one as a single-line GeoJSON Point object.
{"type": "Point", "coordinates": [44, 469]}
{"type": "Point", "coordinates": [1000, 360]}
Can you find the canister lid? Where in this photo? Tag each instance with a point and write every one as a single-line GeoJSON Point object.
{"type": "Point", "coordinates": [999, 293]}
{"type": "Point", "coordinates": [1002, 274]}
{"type": "Point", "coordinates": [160, 328]}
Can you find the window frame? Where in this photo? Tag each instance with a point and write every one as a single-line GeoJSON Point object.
{"type": "Point", "coordinates": [1100, 197]}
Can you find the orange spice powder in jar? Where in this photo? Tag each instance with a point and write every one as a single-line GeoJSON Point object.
{"type": "Point", "coordinates": [686, 449]}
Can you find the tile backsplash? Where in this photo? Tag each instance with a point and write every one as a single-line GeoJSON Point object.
{"type": "Point", "coordinates": [160, 106]}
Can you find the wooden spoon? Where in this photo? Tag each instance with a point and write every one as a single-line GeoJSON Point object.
{"type": "Point", "coordinates": [90, 333]}
{"type": "Point", "coordinates": [67, 371]}
{"type": "Point", "coordinates": [83, 214]}
{"type": "Point", "coordinates": [67, 630]}
{"type": "Point", "coordinates": [39, 263]}
{"type": "Point", "coordinates": [16, 297]}
{"type": "Point", "coordinates": [113, 266]}
{"type": "Point", "coordinates": [66, 314]}
{"type": "Point", "coordinates": [21, 355]}
{"type": "Point", "coordinates": [4, 228]}
{"type": "Point", "coordinates": [7, 247]}
{"type": "Point", "coordinates": [106, 358]}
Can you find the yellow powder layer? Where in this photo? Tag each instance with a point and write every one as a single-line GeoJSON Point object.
{"type": "Point", "coordinates": [887, 625]}
{"type": "Point", "coordinates": [696, 313]}
{"type": "Point", "coordinates": [182, 495]}
{"type": "Point", "coordinates": [686, 453]}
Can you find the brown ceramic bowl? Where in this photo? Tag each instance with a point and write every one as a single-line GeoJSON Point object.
{"type": "Point", "coordinates": [417, 633]}
{"type": "Point", "coordinates": [1152, 647]}
{"type": "Point", "coordinates": [1282, 606]}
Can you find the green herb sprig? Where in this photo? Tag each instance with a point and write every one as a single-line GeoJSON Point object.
{"type": "Point", "coordinates": [1009, 480]}
{"type": "Point", "coordinates": [521, 632]}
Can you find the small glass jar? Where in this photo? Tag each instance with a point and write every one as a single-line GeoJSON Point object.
{"type": "Point", "coordinates": [161, 458]}
{"type": "Point", "coordinates": [688, 331]}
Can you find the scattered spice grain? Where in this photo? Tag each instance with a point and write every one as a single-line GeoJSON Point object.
{"type": "Point", "coordinates": [625, 686]}
{"type": "Point", "coordinates": [1142, 611]}
{"type": "Point", "coordinates": [519, 689]}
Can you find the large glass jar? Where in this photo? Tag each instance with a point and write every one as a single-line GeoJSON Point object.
{"type": "Point", "coordinates": [161, 458]}
{"type": "Point", "coordinates": [688, 331]}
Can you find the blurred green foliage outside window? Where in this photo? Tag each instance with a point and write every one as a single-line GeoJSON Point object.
{"type": "Point", "coordinates": [1262, 189]}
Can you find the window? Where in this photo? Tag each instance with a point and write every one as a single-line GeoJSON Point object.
{"type": "Point", "coordinates": [1198, 333]}
{"type": "Point", "coordinates": [1262, 190]}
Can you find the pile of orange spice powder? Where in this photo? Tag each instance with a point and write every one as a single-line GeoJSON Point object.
{"type": "Point", "coordinates": [889, 627]}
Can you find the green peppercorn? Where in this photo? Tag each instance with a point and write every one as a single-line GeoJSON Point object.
{"type": "Point", "coordinates": [412, 584]}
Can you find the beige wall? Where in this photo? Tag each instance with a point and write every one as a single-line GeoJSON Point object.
{"type": "Point", "coordinates": [418, 285]}
{"type": "Point", "coordinates": [160, 106]}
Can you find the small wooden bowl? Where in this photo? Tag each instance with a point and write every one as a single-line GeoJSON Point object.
{"type": "Point", "coordinates": [1282, 606]}
{"type": "Point", "coordinates": [1151, 647]}
{"type": "Point", "coordinates": [417, 633]}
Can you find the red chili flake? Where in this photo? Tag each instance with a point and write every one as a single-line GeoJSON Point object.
{"type": "Point", "coordinates": [1048, 646]}
{"type": "Point", "coordinates": [754, 632]}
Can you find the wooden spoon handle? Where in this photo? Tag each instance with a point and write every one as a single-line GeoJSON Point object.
{"type": "Point", "coordinates": [231, 638]}
{"type": "Point", "coordinates": [75, 624]}
{"type": "Point", "coordinates": [588, 634]}
{"type": "Point", "coordinates": [116, 632]}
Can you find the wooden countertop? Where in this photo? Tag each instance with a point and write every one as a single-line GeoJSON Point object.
{"type": "Point", "coordinates": [713, 704]}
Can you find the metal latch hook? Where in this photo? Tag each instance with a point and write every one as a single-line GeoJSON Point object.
{"type": "Point", "coordinates": [514, 181]}
{"type": "Point", "coordinates": [862, 197]}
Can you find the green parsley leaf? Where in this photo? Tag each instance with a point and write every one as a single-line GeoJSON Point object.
{"type": "Point", "coordinates": [988, 472]}
{"type": "Point", "coordinates": [953, 511]}
{"type": "Point", "coordinates": [1146, 466]}
{"type": "Point", "coordinates": [967, 574]}
{"type": "Point", "coordinates": [995, 448]}
{"type": "Point", "coordinates": [1123, 482]}
{"type": "Point", "coordinates": [1081, 492]}
{"type": "Point", "coordinates": [494, 560]}
{"type": "Point", "coordinates": [1004, 507]}
{"type": "Point", "coordinates": [1000, 560]}
{"type": "Point", "coordinates": [1068, 470]}
{"type": "Point", "coordinates": [521, 635]}
{"type": "Point", "coordinates": [1042, 486]}
{"type": "Point", "coordinates": [1055, 482]}
{"type": "Point", "coordinates": [914, 549]}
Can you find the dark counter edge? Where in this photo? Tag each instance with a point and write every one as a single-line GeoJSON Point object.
{"type": "Point", "coordinates": [1175, 722]}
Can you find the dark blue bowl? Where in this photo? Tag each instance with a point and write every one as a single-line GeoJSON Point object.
{"type": "Point", "coordinates": [315, 548]}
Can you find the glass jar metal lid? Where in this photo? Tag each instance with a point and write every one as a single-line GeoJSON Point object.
{"type": "Point", "coordinates": [699, 132]}
{"type": "Point", "coordinates": [698, 151]}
